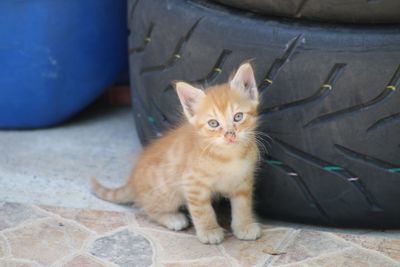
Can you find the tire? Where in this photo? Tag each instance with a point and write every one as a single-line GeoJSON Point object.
{"type": "Point", "coordinates": [338, 11]}
{"type": "Point", "coordinates": [328, 101]}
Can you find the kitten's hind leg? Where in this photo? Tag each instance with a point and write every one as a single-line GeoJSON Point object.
{"type": "Point", "coordinates": [175, 220]}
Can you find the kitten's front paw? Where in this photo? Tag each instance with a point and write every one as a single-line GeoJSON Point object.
{"type": "Point", "coordinates": [213, 236]}
{"type": "Point", "coordinates": [250, 231]}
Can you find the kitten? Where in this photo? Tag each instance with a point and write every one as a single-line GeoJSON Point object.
{"type": "Point", "coordinates": [214, 152]}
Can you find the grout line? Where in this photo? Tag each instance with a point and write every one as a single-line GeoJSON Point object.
{"type": "Point", "coordinates": [355, 245]}
{"type": "Point", "coordinates": [60, 262]}
{"type": "Point", "coordinates": [70, 221]}
{"type": "Point", "coordinates": [231, 260]}
{"type": "Point", "coordinates": [6, 245]}
{"type": "Point", "coordinates": [377, 253]}
{"type": "Point", "coordinates": [89, 241]}
{"type": "Point", "coordinates": [85, 250]}
{"type": "Point", "coordinates": [283, 245]}
{"type": "Point", "coordinates": [8, 253]}
{"type": "Point", "coordinates": [70, 257]}
{"type": "Point", "coordinates": [331, 253]}
{"type": "Point", "coordinates": [100, 260]}
{"type": "Point", "coordinates": [25, 224]}
{"type": "Point", "coordinates": [280, 228]}
{"type": "Point", "coordinates": [210, 259]}
{"type": "Point", "coordinates": [130, 219]}
{"type": "Point", "coordinates": [339, 251]}
{"type": "Point", "coordinates": [167, 231]}
{"type": "Point", "coordinates": [152, 244]}
{"type": "Point", "coordinates": [31, 262]}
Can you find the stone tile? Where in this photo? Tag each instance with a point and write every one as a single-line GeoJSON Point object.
{"type": "Point", "coordinates": [175, 247]}
{"type": "Point", "coordinates": [46, 242]}
{"type": "Point", "coordinates": [253, 253]}
{"type": "Point", "coordinates": [98, 221]}
{"type": "Point", "coordinates": [308, 244]}
{"type": "Point", "coordinates": [273, 224]}
{"type": "Point", "coordinates": [211, 262]}
{"type": "Point", "coordinates": [390, 234]}
{"type": "Point", "coordinates": [124, 248]}
{"type": "Point", "coordinates": [266, 226]}
{"type": "Point", "coordinates": [13, 214]}
{"type": "Point", "coordinates": [386, 245]}
{"type": "Point", "coordinates": [349, 257]}
{"type": "Point", "coordinates": [83, 261]}
{"type": "Point", "coordinates": [16, 263]}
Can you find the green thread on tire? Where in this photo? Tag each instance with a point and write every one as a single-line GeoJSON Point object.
{"type": "Point", "coordinates": [333, 168]}
{"type": "Point", "coordinates": [274, 162]}
{"type": "Point", "coordinates": [394, 170]}
{"type": "Point", "coordinates": [151, 119]}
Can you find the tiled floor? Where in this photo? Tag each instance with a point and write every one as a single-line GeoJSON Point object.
{"type": "Point", "coordinates": [32, 235]}
{"type": "Point", "coordinates": [49, 218]}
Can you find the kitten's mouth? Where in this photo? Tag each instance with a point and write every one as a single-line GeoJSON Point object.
{"type": "Point", "coordinates": [230, 137]}
{"type": "Point", "coordinates": [230, 142]}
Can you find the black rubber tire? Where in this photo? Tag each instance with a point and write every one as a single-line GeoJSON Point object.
{"type": "Point", "coordinates": [329, 102]}
{"type": "Point", "coordinates": [338, 11]}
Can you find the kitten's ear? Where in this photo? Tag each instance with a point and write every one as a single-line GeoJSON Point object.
{"type": "Point", "coordinates": [244, 81]}
{"type": "Point", "coordinates": [189, 97]}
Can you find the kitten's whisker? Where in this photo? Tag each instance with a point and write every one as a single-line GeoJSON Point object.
{"type": "Point", "coordinates": [261, 137]}
{"type": "Point", "coordinates": [263, 141]}
{"type": "Point", "coordinates": [262, 150]}
{"type": "Point", "coordinates": [264, 134]}
{"type": "Point", "coordinates": [261, 144]}
{"type": "Point", "coordinates": [264, 137]}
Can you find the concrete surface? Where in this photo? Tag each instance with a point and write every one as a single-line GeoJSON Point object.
{"type": "Point", "coordinates": [53, 166]}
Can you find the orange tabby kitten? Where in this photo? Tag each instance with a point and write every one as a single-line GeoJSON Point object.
{"type": "Point", "coordinates": [214, 152]}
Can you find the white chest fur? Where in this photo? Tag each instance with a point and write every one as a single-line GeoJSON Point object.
{"type": "Point", "coordinates": [231, 175]}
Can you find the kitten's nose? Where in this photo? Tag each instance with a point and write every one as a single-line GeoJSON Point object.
{"type": "Point", "coordinates": [230, 137]}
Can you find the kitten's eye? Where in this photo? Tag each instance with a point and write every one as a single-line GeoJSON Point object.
{"type": "Point", "coordinates": [213, 123]}
{"type": "Point", "coordinates": [238, 117]}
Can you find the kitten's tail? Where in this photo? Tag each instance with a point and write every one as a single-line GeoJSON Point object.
{"type": "Point", "coordinates": [120, 195]}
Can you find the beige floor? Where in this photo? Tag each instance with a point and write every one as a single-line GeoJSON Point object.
{"type": "Point", "coordinates": [49, 218]}
{"type": "Point", "coordinates": [32, 235]}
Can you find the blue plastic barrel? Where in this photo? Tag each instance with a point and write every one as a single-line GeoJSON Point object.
{"type": "Point", "coordinates": [56, 56]}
